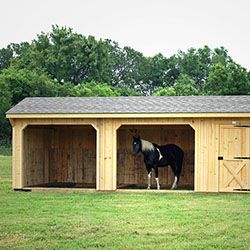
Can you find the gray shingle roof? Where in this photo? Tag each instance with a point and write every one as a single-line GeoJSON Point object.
{"type": "Point", "coordinates": [141, 104]}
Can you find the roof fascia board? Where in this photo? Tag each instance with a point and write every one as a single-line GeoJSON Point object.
{"type": "Point", "coordinates": [130, 115]}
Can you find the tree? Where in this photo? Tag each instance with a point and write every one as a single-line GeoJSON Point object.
{"type": "Point", "coordinates": [67, 57]}
{"type": "Point", "coordinates": [230, 79]}
{"type": "Point", "coordinates": [155, 75]}
{"type": "Point", "coordinates": [167, 91]}
{"type": "Point", "coordinates": [196, 63]}
{"type": "Point", "coordinates": [162, 72]}
{"type": "Point", "coordinates": [125, 91]}
{"type": "Point", "coordinates": [220, 55]}
{"type": "Point", "coordinates": [6, 54]}
{"type": "Point", "coordinates": [94, 89]}
{"type": "Point", "coordinates": [128, 67]}
{"type": "Point", "coordinates": [185, 86]}
{"type": "Point", "coordinates": [238, 80]}
{"type": "Point", "coordinates": [23, 83]}
{"type": "Point", "coordinates": [5, 104]}
{"type": "Point", "coordinates": [64, 63]}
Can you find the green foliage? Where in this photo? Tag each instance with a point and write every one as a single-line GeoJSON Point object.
{"type": "Point", "coordinates": [167, 91]}
{"type": "Point", "coordinates": [94, 89]}
{"type": "Point", "coordinates": [125, 91]}
{"type": "Point", "coordinates": [5, 104]}
{"type": "Point", "coordinates": [196, 64]}
{"type": "Point", "coordinates": [100, 89]}
{"type": "Point", "coordinates": [23, 82]}
{"type": "Point", "coordinates": [64, 63]}
{"type": "Point", "coordinates": [157, 73]}
{"type": "Point", "coordinates": [66, 89]}
{"type": "Point", "coordinates": [231, 79]}
{"type": "Point", "coordinates": [221, 56]}
{"type": "Point", "coordinates": [6, 54]}
{"type": "Point", "coordinates": [128, 67]}
{"type": "Point", "coordinates": [5, 148]}
{"type": "Point", "coordinates": [67, 57]}
{"type": "Point", "coordinates": [184, 86]}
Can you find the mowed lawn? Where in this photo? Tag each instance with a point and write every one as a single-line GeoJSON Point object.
{"type": "Point", "coordinates": [149, 220]}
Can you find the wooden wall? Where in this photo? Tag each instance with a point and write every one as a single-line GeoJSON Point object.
{"type": "Point", "coordinates": [55, 152]}
{"type": "Point", "coordinates": [131, 170]}
{"type": "Point", "coordinates": [209, 143]}
{"type": "Point", "coordinates": [59, 155]}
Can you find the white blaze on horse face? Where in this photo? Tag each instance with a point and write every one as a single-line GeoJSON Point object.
{"type": "Point", "coordinates": [149, 180]}
{"type": "Point", "coordinates": [146, 146]}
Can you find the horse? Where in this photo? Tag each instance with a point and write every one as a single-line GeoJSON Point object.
{"type": "Point", "coordinates": [159, 156]}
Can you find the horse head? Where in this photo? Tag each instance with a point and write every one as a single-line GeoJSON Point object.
{"type": "Point", "coordinates": [136, 145]}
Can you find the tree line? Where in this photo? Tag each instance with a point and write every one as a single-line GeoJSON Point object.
{"type": "Point", "coordinates": [65, 63]}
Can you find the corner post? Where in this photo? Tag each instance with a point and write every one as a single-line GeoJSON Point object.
{"type": "Point", "coordinates": [17, 153]}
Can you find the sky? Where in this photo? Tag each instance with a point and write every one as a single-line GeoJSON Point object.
{"type": "Point", "coordinates": [149, 26]}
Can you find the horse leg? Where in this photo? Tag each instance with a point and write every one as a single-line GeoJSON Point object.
{"type": "Point", "coordinates": [177, 170]}
{"type": "Point", "coordinates": [176, 176]}
{"type": "Point", "coordinates": [176, 179]}
{"type": "Point", "coordinates": [156, 178]}
{"type": "Point", "coordinates": [149, 169]}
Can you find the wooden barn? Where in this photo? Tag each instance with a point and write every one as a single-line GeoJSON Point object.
{"type": "Point", "coordinates": [86, 142]}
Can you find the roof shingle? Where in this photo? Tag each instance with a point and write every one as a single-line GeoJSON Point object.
{"type": "Point", "coordinates": [132, 104]}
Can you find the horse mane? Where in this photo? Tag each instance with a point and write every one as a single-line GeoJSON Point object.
{"type": "Point", "coordinates": [155, 145]}
{"type": "Point", "coordinates": [146, 145]}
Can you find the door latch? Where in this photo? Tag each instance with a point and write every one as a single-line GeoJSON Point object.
{"type": "Point", "coordinates": [242, 158]}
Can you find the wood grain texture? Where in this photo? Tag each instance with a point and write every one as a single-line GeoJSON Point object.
{"type": "Point", "coordinates": [131, 169]}
{"type": "Point", "coordinates": [68, 149]}
{"type": "Point", "coordinates": [234, 171]}
{"type": "Point", "coordinates": [59, 154]}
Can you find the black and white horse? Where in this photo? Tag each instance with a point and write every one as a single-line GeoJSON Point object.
{"type": "Point", "coordinates": [159, 156]}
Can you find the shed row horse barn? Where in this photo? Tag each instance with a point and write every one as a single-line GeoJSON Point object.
{"type": "Point", "coordinates": [86, 142]}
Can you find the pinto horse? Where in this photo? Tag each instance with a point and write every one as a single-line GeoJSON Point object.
{"type": "Point", "coordinates": [159, 156]}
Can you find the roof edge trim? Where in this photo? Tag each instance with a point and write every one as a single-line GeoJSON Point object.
{"type": "Point", "coordinates": [129, 115]}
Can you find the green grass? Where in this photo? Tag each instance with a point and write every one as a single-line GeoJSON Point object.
{"type": "Point", "coordinates": [30, 220]}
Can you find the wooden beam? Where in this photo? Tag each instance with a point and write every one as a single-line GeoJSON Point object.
{"type": "Point", "coordinates": [131, 115]}
{"type": "Point", "coordinates": [17, 152]}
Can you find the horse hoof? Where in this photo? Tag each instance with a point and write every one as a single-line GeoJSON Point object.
{"type": "Point", "coordinates": [158, 188]}
{"type": "Point", "coordinates": [148, 188]}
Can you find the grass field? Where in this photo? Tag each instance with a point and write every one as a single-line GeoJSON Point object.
{"type": "Point", "coordinates": [149, 220]}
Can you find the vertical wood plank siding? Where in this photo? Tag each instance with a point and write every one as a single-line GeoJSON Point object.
{"type": "Point", "coordinates": [59, 154]}
{"type": "Point", "coordinates": [98, 151]}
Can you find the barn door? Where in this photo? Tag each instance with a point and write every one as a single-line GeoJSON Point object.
{"type": "Point", "coordinates": [234, 159]}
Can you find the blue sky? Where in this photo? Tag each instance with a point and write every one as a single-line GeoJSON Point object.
{"type": "Point", "coordinates": [149, 26]}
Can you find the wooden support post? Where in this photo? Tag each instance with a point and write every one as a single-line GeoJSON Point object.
{"type": "Point", "coordinates": [17, 164]}
{"type": "Point", "coordinates": [106, 173]}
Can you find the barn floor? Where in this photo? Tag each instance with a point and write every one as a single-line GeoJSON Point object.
{"type": "Point", "coordinates": [163, 187]}
{"type": "Point", "coordinates": [84, 190]}
{"type": "Point", "coordinates": [66, 185]}
{"type": "Point", "coordinates": [56, 189]}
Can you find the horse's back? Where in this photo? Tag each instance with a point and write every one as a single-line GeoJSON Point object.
{"type": "Point", "coordinates": [172, 152]}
